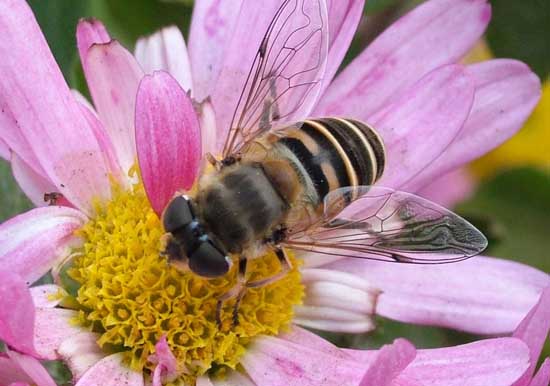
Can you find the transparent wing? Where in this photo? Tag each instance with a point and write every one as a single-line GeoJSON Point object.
{"type": "Point", "coordinates": [379, 223]}
{"type": "Point", "coordinates": [285, 78]}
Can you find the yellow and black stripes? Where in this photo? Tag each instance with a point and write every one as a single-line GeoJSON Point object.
{"type": "Point", "coordinates": [330, 153]}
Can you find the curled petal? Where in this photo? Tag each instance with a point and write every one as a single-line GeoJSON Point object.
{"type": "Point", "coordinates": [481, 295]}
{"type": "Point", "coordinates": [436, 33]}
{"type": "Point", "coordinates": [390, 361]}
{"type": "Point", "coordinates": [166, 50]}
{"type": "Point", "coordinates": [110, 371]}
{"type": "Point", "coordinates": [35, 97]}
{"type": "Point", "coordinates": [167, 365]}
{"type": "Point", "coordinates": [31, 243]}
{"type": "Point", "coordinates": [47, 295]}
{"type": "Point", "coordinates": [419, 125]}
{"type": "Point", "coordinates": [506, 93]}
{"type": "Point", "coordinates": [234, 378]}
{"type": "Point", "coordinates": [203, 380]}
{"type": "Point", "coordinates": [52, 327]}
{"type": "Point", "coordinates": [533, 330]}
{"type": "Point", "coordinates": [89, 32]}
{"type": "Point", "coordinates": [16, 313]}
{"type": "Point", "coordinates": [168, 138]}
{"type": "Point", "coordinates": [274, 361]}
{"type": "Point", "coordinates": [212, 27]}
{"type": "Point", "coordinates": [113, 77]}
{"type": "Point", "coordinates": [339, 301]}
{"type": "Point", "coordinates": [80, 352]}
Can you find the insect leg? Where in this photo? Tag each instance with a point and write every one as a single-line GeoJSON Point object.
{"type": "Point", "coordinates": [237, 291]}
{"type": "Point", "coordinates": [286, 266]}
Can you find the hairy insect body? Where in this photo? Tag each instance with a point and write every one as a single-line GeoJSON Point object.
{"type": "Point", "coordinates": [282, 178]}
{"type": "Point", "coordinates": [240, 206]}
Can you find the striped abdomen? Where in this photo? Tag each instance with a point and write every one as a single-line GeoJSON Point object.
{"type": "Point", "coordinates": [330, 153]}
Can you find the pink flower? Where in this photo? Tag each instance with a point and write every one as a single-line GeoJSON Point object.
{"type": "Point", "coordinates": [407, 83]}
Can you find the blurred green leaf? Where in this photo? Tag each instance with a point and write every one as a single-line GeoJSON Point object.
{"type": "Point", "coordinates": [521, 30]}
{"type": "Point", "coordinates": [127, 20]}
{"type": "Point", "coordinates": [375, 6]}
{"type": "Point", "coordinates": [518, 204]}
{"type": "Point", "coordinates": [389, 330]}
{"type": "Point", "coordinates": [14, 200]}
{"type": "Point", "coordinates": [58, 20]}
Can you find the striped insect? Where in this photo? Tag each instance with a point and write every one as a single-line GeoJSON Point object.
{"type": "Point", "coordinates": [308, 185]}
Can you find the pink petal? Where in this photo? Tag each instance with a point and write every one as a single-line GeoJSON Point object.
{"type": "Point", "coordinates": [212, 27]}
{"type": "Point", "coordinates": [35, 97]}
{"type": "Point", "coordinates": [113, 77]}
{"type": "Point", "coordinates": [31, 243]}
{"type": "Point", "coordinates": [274, 361]}
{"type": "Point", "coordinates": [107, 148]}
{"type": "Point", "coordinates": [450, 188]}
{"type": "Point", "coordinates": [306, 67]}
{"type": "Point", "coordinates": [33, 184]}
{"type": "Point", "coordinates": [533, 330]}
{"type": "Point", "coordinates": [166, 50]}
{"type": "Point", "coordinates": [494, 362]}
{"type": "Point", "coordinates": [418, 125]}
{"type": "Point", "coordinates": [207, 119]}
{"type": "Point", "coordinates": [305, 338]}
{"type": "Point", "coordinates": [10, 372]}
{"type": "Point", "coordinates": [343, 18]}
{"type": "Point", "coordinates": [481, 295]}
{"type": "Point", "coordinates": [201, 381]}
{"type": "Point", "coordinates": [436, 33]}
{"type": "Point", "coordinates": [4, 150]}
{"type": "Point", "coordinates": [542, 377]}
{"type": "Point", "coordinates": [52, 327]}
{"type": "Point", "coordinates": [47, 295]}
{"type": "Point", "coordinates": [167, 365]}
{"type": "Point", "coordinates": [13, 140]}
{"type": "Point", "coordinates": [80, 352]}
{"type": "Point", "coordinates": [16, 313]}
{"type": "Point", "coordinates": [110, 371]}
{"type": "Point", "coordinates": [390, 362]}
{"type": "Point", "coordinates": [32, 367]}
{"type": "Point", "coordinates": [168, 138]}
{"type": "Point", "coordinates": [89, 32]}
{"type": "Point", "coordinates": [506, 94]}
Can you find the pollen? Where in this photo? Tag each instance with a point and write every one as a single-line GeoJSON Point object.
{"type": "Point", "coordinates": [131, 296]}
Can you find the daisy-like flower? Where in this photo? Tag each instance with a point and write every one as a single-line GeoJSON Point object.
{"type": "Point", "coordinates": [120, 314]}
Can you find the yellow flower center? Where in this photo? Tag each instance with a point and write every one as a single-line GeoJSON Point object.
{"type": "Point", "coordinates": [131, 296]}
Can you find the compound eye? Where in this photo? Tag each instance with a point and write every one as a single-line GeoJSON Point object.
{"type": "Point", "coordinates": [177, 214]}
{"type": "Point", "coordinates": [209, 261]}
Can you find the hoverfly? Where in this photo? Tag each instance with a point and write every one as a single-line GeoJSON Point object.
{"type": "Point", "coordinates": [307, 185]}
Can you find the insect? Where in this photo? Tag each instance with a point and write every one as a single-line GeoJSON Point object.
{"type": "Point", "coordinates": [307, 185]}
